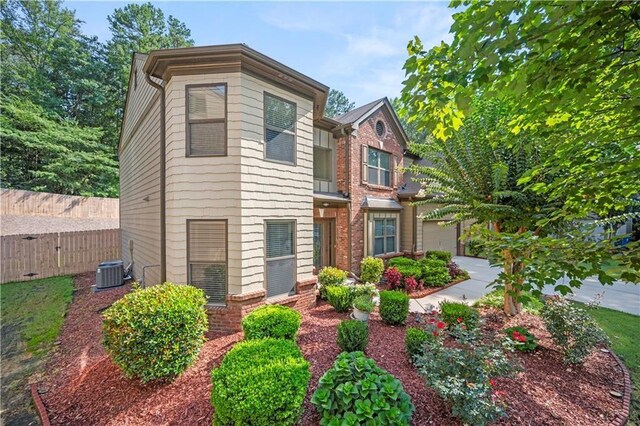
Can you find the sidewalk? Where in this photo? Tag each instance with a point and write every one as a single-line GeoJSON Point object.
{"type": "Point", "coordinates": [619, 296]}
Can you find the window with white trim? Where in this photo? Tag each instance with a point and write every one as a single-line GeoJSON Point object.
{"type": "Point", "coordinates": [383, 232]}
{"type": "Point", "coordinates": [206, 120]}
{"type": "Point", "coordinates": [379, 167]}
{"type": "Point", "coordinates": [207, 258]}
{"type": "Point", "coordinates": [279, 129]}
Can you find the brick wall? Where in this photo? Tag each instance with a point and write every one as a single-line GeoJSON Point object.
{"type": "Point", "coordinates": [389, 142]}
{"type": "Point", "coordinates": [341, 217]}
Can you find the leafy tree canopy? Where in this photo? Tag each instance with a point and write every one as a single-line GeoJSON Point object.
{"type": "Point", "coordinates": [572, 70]}
{"type": "Point", "coordinates": [338, 104]}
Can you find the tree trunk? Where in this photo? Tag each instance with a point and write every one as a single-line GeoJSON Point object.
{"type": "Point", "coordinates": [511, 289]}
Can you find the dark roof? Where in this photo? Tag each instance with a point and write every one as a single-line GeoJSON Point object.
{"type": "Point", "coordinates": [356, 114]}
{"type": "Point", "coordinates": [380, 203]}
{"type": "Point", "coordinates": [410, 187]}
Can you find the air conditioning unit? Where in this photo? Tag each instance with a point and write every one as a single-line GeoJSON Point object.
{"type": "Point", "coordinates": [109, 274]}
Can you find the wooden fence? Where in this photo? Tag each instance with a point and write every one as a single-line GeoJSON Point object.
{"type": "Point", "coordinates": [20, 203]}
{"type": "Point", "coordinates": [27, 257]}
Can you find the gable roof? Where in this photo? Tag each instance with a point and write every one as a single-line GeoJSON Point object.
{"type": "Point", "coordinates": [358, 115]}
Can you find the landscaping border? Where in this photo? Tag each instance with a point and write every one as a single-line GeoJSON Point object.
{"type": "Point", "coordinates": [37, 401]}
{"type": "Point", "coordinates": [622, 418]}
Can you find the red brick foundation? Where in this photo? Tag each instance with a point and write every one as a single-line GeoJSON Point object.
{"type": "Point", "coordinates": [228, 319]}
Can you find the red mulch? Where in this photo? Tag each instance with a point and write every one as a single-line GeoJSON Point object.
{"type": "Point", "coordinates": [83, 386]}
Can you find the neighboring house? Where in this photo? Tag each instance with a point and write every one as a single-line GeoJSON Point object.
{"type": "Point", "coordinates": [233, 180]}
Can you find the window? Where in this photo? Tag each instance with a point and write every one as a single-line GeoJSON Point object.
{"type": "Point", "coordinates": [380, 128]}
{"type": "Point", "coordinates": [279, 129]}
{"type": "Point", "coordinates": [378, 167]}
{"type": "Point", "coordinates": [207, 258]}
{"type": "Point", "coordinates": [322, 160]}
{"type": "Point", "coordinates": [280, 257]}
{"type": "Point", "coordinates": [384, 236]}
{"type": "Point", "coordinates": [207, 120]}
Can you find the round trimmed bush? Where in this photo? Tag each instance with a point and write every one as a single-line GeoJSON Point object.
{"type": "Point", "coordinates": [277, 321]}
{"type": "Point", "coordinates": [261, 383]}
{"type": "Point", "coordinates": [340, 297]}
{"type": "Point", "coordinates": [414, 341]}
{"type": "Point", "coordinates": [451, 311]}
{"type": "Point", "coordinates": [330, 276]}
{"type": "Point", "coordinates": [156, 332]}
{"type": "Point", "coordinates": [356, 391]}
{"type": "Point", "coordinates": [353, 335]}
{"type": "Point", "coordinates": [371, 269]}
{"type": "Point", "coordinates": [394, 307]}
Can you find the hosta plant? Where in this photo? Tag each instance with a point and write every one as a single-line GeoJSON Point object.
{"type": "Point", "coordinates": [355, 391]}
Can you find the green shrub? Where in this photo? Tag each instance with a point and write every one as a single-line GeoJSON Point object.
{"type": "Point", "coordinates": [340, 297]}
{"type": "Point", "coordinates": [353, 335]}
{"type": "Point", "coordinates": [330, 276]}
{"type": "Point", "coordinates": [445, 256]}
{"type": "Point", "coordinates": [435, 272]}
{"type": "Point", "coordinates": [463, 375]}
{"type": "Point", "coordinates": [414, 341]}
{"type": "Point", "coordinates": [572, 329]}
{"type": "Point", "coordinates": [394, 307]}
{"type": "Point", "coordinates": [277, 321]}
{"type": "Point", "coordinates": [156, 332]}
{"type": "Point", "coordinates": [355, 391]}
{"type": "Point", "coordinates": [457, 312]}
{"type": "Point", "coordinates": [474, 247]}
{"type": "Point", "coordinates": [371, 269]}
{"type": "Point", "coordinates": [407, 267]}
{"type": "Point", "coordinates": [400, 261]}
{"type": "Point", "coordinates": [495, 299]}
{"type": "Point", "coordinates": [260, 382]}
{"type": "Point", "coordinates": [363, 303]}
{"type": "Point", "coordinates": [521, 339]}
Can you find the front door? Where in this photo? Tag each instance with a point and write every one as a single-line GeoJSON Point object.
{"type": "Point", "coordinates": [323, 243]}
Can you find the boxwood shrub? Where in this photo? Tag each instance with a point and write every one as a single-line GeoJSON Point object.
{"type": "Point", "coordinates": [260, 382]}
{"type": "Point", "coordinates": [371, 269]}
{"type": "Point", "coordinates": [157, 332]}
{"type": "Point", "coordinates": [414, 341]}
{"type": "Point", "coordinates": [355, 391]}
{"type": "Point", "coordinates": [340, 297]}
{"type": "Point", "coordinates": [394, 307]}
{"type": "Point", "coordinates": [451, 311]}
{"type": "Point", "coordinates": [407, 267]}
{"type": "Point", "coordinates": [277, 321]}
{"type": "Point", "coordinates": [353, 335]}
{"type": "Point", "coordinates": [329, 276]}
{"type": "Point", "coordinates": [435, 272]}
{"type": "Point", "coordinates": [445, 256]}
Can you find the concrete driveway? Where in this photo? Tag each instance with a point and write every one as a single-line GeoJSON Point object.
{"type": "Point", "coordinates": [620, 296]}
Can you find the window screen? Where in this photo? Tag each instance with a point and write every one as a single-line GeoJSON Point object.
{"type": "Point", "coordinates": [279, 129]}
{"type": "Point", "coordinates": [207, 258]}
{"type": "Point", "coordinates": [206, 120]}
{"type": "Point", "coordinates": [281, 259]}
{"type": "Point", "coordinates": [384, 236]}
{"type": "Point", "coordinates": [379, 167]}
{"type": "Point", "coordinates": [322, 159]}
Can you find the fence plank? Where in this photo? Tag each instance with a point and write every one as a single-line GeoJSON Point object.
{"type": "Point", "coordinates": [78, 252]}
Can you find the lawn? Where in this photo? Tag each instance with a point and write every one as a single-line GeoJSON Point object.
{"type": "Point", "coordinates": [32, 314]}
{"type": "Point", "coordinates": [623, 329]}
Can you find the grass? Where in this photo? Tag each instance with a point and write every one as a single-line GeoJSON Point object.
{"type": "Point", "coordinates": [622, 329]}
{"type": "Point", "coordinates": [36, 310]}
{"type": "Point", "coordinates": [495, 299]}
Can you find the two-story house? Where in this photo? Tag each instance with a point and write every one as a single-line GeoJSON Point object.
{"type": "Point", "coordinates": [232, 179]}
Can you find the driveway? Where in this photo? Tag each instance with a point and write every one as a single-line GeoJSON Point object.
{"type": "Point", "coordinates": [620, 296]}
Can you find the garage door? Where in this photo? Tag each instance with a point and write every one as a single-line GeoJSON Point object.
{"type": "Point", "coordinates": [436, 237]}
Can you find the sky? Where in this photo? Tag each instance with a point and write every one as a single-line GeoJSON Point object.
{"type": "Point", "coordinates": [356, 47]}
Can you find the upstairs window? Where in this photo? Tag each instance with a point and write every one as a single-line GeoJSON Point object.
{"type": "Point", "coordinates": [279, 129]}
{"type": "Point", "coordinates": [322, 160]}
{"type": "Point", "coordinates": [206, 120]}
{"type": "Point", "coordinates": [378, 167]}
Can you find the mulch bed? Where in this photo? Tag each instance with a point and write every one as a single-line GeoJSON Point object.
{"type": "Point", "coordinates": [84, 387]}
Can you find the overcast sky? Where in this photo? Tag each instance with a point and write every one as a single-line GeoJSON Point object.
{"type": "Point", "coordinates": [355, 47]}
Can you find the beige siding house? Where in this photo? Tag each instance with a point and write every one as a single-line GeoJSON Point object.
{"type": "Point", "coordinates": [233, 180]}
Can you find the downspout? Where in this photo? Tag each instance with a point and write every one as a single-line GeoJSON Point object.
{"type": "Point", "coordinates": [347, 156]}
{"type": "Point", "coordinates": [163, 179]}
{"type": "Point", "coordinates": [415, 228]}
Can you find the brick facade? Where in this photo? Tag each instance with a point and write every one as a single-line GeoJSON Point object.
{"type": "Point", "coordinates": [389, 142]}
{"type": "Point", "coordinates": [340, 217]}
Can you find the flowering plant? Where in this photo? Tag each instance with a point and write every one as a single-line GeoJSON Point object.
{"type": "Point", "coordinates": [411, 284]}
{"type": "Point", "coordinates": [521, 339]}
{"type": "Point", "coordinates": [393, 278]}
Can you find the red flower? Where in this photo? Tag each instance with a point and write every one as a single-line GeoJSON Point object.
{"type": "Point", "coordinates": [459, 319]}
{"type": "Point", "coordinates": [492, 382]}
{"type": "Point", "coordinates": [440, 325]}
{"type": "Point", "coordinates": [435, 333]}
{"type": "Point", "coordinates": [519, 337]}
{"type": "Point", "coordinates": [434, 312]}
{"type": "Point", "coordinates": [432, 320]}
